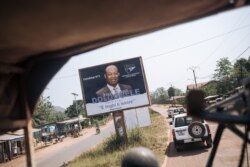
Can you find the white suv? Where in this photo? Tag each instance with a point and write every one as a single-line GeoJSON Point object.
{"type": "Point", "coordinates": [172, 112]}
{"type": "Point", "coordinates": [186, 129]}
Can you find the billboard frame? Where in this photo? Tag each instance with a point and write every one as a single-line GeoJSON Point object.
{"type": "Point", "coordinates": [115, 62]}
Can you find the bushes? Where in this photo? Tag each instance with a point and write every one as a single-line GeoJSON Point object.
{"type": "Point", "coordinates": [110, 152]}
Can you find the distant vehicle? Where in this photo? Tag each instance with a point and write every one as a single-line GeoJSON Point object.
{"type": "Point", "coordinates": [98, 130]}
{"type": "Point", "coordinates": [211, 99]}
{"type": "Point", "coordinates": [186, 129]}
{"type": "Point", "coordinates": [172, 111]}
{"type": "Point", "coordinates": [75, 132]}
{"type": "Point", "coordinates": [60, 138]}
{"type": "Point", "coordinates": [181, 110]}
{"type": "Point", "coordinates": [219, 99]}
{"type": "Point", "coordinates": [175, 110]}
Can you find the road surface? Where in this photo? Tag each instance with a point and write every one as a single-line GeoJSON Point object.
{"type": "Point", "coordinates": [196, 155]}
{"type": "Point", "coordinates": [57, 154]}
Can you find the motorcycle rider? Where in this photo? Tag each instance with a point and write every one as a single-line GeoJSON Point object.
{"type": "Point", "coordinates": [97, 128]}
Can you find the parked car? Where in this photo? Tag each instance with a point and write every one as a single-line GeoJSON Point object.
{"type": "Point", "coordinates": [186, 129]}
{"type": "Point", "coordinates": [181, 110]}
{"type": "Point", "coordinates": [172, 111]}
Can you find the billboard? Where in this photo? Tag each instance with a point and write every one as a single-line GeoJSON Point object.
{"type": "Point", "coordinates": [114, 86]}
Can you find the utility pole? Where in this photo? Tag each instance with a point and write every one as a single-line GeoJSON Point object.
{"type": "Point", "coordinates": [171, 84]}
{"type": "Point", "coordinates": [193, 69]}
{"type": "Point", "coordinates": [241, 75]}
{"type": "Point", "coordinates": [75, 95]}
{"type": "Point", "coordinates": [171, 93]}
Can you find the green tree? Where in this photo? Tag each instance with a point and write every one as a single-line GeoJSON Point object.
{"type": "Point", "coordinates": [223, 74]}
{"type": "Point", "coordinates": [178, 92]}
{"type": "Point", "coordinates": [153, 97]}
{"type": "Point", "coordinates": [210, 89]}
{"type": "Point", "coordinates": [162, 95]}
{"type": "Point", "coordinates": [42, 114]}
{"type": "Point", "coordinates": [171, 92]}
{"type": "Point", "coordinates": [57, 116]}
{"type": "Point", "coordinates": [241, 70]}
{"type": "Point", "coordinates": [75, 109]}
{"type": "Point", "coordinates": [223, 69]}
{"type": "Point", "coordinates": [159, 96]}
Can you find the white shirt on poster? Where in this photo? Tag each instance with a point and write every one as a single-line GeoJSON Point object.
{"type": "Point", "coordinates": [114, 90]}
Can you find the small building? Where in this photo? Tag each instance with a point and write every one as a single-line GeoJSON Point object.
{"type": "Point", "coordinates": [48, 132]}
{"type": "Point", "coordinates": [196, 86]}
{"type": "Point", "coordinates": [36, 133]}
{"type": "Point", "coordinates": [11, 146]}
{"type": "Point", "coordinates": [65, 127]}
{"type": "Point", "coordinates": [12, 143]}
{"type": "Point", "coordinates": [201, 85]}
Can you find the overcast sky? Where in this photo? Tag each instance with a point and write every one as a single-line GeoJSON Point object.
{"type": "Point", "coordinates": [167, 55]}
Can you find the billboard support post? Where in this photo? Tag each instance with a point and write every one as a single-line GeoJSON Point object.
{"type": "Point", "coordinates": [120, 126]}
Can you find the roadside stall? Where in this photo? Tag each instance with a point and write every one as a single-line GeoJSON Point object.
{"type": "Point", "coordinates": [11, 146]}
{"type": "Point", "coordinates": [68, 127]}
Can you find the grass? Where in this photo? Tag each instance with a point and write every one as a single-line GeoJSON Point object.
{"type": "Point", "coordinates": [110, 152]}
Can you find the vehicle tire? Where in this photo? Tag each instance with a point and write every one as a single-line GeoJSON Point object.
{"type": "Point", "coordinates": [209, 142]}
{"type": "Point", "coordinates": [196, 130]}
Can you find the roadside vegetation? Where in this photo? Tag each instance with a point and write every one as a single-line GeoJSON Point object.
{"type": "Point", "coordinates": [228, 76]}
{"type": "Point", "coordinates": [110, 152]}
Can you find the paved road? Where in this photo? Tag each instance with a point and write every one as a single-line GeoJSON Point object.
{"type": "Point", "coordinates": [196, 155]}
{"type": "Point", "coordinates": [55, 155]}
{"type": "Point", "coordinates": [58, 157]}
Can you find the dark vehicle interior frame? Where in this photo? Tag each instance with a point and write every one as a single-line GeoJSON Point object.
{"type": "Point", "coordinates": [38, 37]}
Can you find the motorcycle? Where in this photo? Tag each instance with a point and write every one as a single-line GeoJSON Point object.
{"type": "Point", "coordinates": [98, 130]}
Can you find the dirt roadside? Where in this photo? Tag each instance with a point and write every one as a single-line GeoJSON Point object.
{"type": "Point", "coordinates": [160, 109]}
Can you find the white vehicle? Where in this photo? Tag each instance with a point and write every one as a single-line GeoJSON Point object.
{"type": "Point", "coordinates": [181, 110]}
{"type": "Point", "coordinates": [186, 129]}
{"type": "Point", "coordinates": [172, 112]}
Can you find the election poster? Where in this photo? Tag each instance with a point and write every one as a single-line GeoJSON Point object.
{"type": "Point", "coordinates": [114, 86]}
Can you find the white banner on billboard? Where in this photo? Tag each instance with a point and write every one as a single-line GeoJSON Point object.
{"type": "Point", "coordinates": [137, 118]}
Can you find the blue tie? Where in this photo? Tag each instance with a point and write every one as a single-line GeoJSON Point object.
{"type": "Point", "coordinates": [116, 95]}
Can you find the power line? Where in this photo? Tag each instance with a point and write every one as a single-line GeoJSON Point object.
{"type": "Point", "coordinates": [242, 40]}
{"type": "Point", "coordinates": [238, 22]}
{"type": "Point", "coordinates": [196, 43]}
{"type": "Point", "coordinates": [209, 76]}
{"type": "Point", "coordinates": [241, 54]}
{"type": "Point", "coordinates": [174, 50]}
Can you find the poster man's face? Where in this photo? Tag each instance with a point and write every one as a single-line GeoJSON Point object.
{"type": "Point", "coordinates": [112, 75]}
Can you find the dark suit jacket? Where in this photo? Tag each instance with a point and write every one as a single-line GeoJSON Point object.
{"type": "Point", "coordinates": [105, 90]}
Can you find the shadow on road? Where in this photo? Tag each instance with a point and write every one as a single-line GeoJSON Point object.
{"type": "Point", "coordinates": [188, 150]}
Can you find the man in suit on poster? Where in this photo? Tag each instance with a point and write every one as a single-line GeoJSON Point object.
{"type": "Point", "coordinates": [113, 89]}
